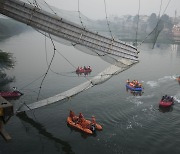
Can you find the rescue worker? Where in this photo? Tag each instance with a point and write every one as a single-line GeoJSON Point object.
{"type": "Point", "coordinates": [83, 123]}
{"type": "Point", "coordinates": [71, 114]}
{"type": "Point", "coordinates": [93, 123]}
{"type": "Point", "coordinates": [81, 117]}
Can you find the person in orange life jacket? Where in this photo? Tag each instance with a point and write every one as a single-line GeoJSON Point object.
{"type": "Point", "coordinates": [71, 114]}
{"type": "Point", "coordinates": [83, 123]}
{"type": "Point", "coordinates": [93, 120]}
{"type": "Point", "coordinates": [81, 117]}
{"type": "Point", "coordinates": [93, 123]}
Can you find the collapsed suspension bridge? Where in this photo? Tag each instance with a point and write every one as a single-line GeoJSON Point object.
{"type": "Point", "coordinates": [124, 55]}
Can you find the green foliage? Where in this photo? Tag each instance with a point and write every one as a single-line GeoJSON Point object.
{"type": "Point", "coordinates": [4, 79]}
{"type": "Point", "coordinates": [6, 60]}
{"type": "Point", "coordinates": [152, 21]}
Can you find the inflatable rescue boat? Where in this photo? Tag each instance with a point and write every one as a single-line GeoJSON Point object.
{"type": "Point", "coordinates": [134, 85]}
{"type": "Point", "coordinates": [166, 101]}
{"type": "Point", "coordinates": [10, 94]}
{"type": "Point", "coordinates": [83, 125]}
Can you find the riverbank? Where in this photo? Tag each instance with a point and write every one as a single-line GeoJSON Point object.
{"type": "Point", "coordinates": [10, 27]}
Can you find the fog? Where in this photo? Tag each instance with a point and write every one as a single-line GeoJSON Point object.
{"type": "Point", "coordinates": [95, 9]}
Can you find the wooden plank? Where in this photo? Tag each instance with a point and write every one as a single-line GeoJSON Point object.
{"type": "Point", "coordinates": [4, 102]}
{"type": "Point", "coordinates": [6, 108]}
{"type": "Point", "coordinates": [5, 134]}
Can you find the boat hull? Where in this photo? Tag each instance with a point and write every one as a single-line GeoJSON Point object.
{"type": "Point", "coordinates": [133, 89]}
{"type": "Point", "coordinates": [178, 79]}
{"type": "Point", "coordinates": [78, 126]}
{"type": "Point", "coordinates": [165, 104]}
{"type": "Point", "coordinates": [83, 71]}
{"type": "Point", "coordinates": [11, 94]}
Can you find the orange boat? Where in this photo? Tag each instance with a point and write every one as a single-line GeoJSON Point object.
{"type": "Point", "coordinates": [178, 78]}
{"type": "Point", "coordinates": [84, 125]}
{"type": "Point", "coordinates": [78, 126]}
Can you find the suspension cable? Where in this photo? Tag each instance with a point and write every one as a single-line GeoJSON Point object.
{"type": "Point", "coordinates": [50, 7]}
{"type": "Point", "coordinates": [137, 23]}
{"type": "Point", "coordinates": [107, 19]}
{"type": "Point", "coordinates": [64, 58]}
{"type": "Point", "coordinates": [160, 10]}
{"type": "Point", "coordinates": [157, 22]}
{"type": "Point", "coordinates": [80, 15]}
{"type": "Point", "coordinates": [47, 68]}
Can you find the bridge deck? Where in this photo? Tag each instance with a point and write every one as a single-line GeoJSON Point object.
{"type": "Point", "coordinates": [66, 30]}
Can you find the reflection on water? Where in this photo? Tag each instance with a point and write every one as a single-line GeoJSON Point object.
{"type": "Point", "coordinates": [65, 145]}
{"type": "Point", "coordinates": [176, 48]}
{"type": "Point", "coordinates": [83, 135]}
{"type": "Point", "coordinates": [165, 109]}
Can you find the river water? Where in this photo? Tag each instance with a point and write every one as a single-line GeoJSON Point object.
{"type": "Point", "coordinates": [132, 124]}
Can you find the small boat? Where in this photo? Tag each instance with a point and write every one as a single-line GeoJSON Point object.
{"type": "Point", "coordinates": [134, 86]}
{"type": "Point", "coordinates": [78, 126]}
{"type": "Point", "coordinates": [178, 79]}
{"type": "Point", "coordinates": [85, 126]}
{"type": "Point", "coordinates": [166, 101]}
{"type": "Point", "coordinates": [11, 94]}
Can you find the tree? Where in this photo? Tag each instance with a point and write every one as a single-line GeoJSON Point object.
{"type": "Point", "coordinates": [167, 21]}
{"type": "Point", "coordinates": [6, 62]}
{"type": "Point", "coordinates": [152, 21]}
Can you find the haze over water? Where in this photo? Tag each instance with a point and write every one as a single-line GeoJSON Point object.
{"type": "Point", "coordinates": [131, 124]}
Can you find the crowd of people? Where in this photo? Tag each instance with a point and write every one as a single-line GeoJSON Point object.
{"type": "Point", "coordinates": [134, 83]}
{"type": "Point", "coordinates": [166, 98]}
{"type": "Point", "coordinates": [82, 121]}
{"type": "Point", "coordinates": [84, 68]}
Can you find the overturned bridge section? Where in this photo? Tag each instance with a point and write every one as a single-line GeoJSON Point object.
{"type": "Point", "coordinates": [120, 54]}
{"type": "Point", "coordinates": [59, 27]}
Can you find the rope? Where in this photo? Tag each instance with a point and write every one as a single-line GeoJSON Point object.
{"type": "Point", "coordinates": [160, 9]}
{"type": "Point", "coordinates": [80, 16]}
{"type": "Point", "coordinates": [68, 60]}
{"type": "Point", "coordinates": [107, 19]}
{"type": "Point", "coordinates": [137, 23]}
{"type": "Point", "coordinates": [157, 22]}
{"type": "Point", "coordinates": [50, 8]}
{"type": "Point", "coordinates": [32, 82]}
{"type": "Point", "coordinates": [63, 57]}
{"type": "Point", "coordinates": [47, 68]}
